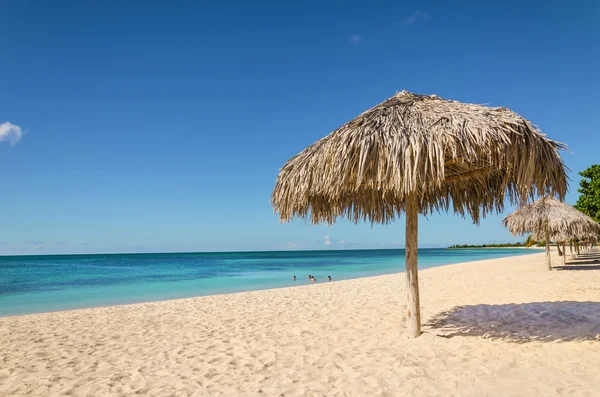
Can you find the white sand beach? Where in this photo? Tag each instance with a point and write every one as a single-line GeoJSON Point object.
{"type": "Point", "coordinates": [503, 327]}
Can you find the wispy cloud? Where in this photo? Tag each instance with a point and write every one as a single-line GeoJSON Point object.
{"type": "Point", "coordinates": [29, 244]}
{"type": "Point", "coordinates": [355, 39]}
{"type": "Point", "coordinates": [10, 132]}
{"type": "Point", "coordinates": [414, 17]}
{"type": "Point", "coordinates": [327, 241]}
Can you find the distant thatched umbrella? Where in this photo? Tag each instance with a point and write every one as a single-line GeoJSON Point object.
{"type": "Point", "coordinates": [550, 219]}
{"type": "Point", "coordinates": [564, 237]}
{"type": "Point", "coordinates": [419, 154]}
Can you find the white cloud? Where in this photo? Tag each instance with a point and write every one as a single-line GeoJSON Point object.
{"type": "Point", "coordinates": [356, 39]}
{"type": "Point", "coordinates": [327, 241]}
{"type": "Point", "coordinates": [415, 16]}
{"type": "Point", "coordinates": [10, 132]}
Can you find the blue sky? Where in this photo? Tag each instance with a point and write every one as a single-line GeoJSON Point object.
{"type": "Point", "coordinates": [161, 126]}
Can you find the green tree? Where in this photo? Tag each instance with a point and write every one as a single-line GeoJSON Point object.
{"type": "Point", "coordinates": [530, 241]}
{"type": "Point", "coordinates": [589, 201]}
{"type": "Point", "coordinates": [541, 243]}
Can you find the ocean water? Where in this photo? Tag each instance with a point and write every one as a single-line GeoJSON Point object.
{"type": "Point", "coordinates": [33, 284]}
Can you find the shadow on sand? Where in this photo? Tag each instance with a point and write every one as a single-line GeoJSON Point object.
{"type": "Point", "coordinates": [587, 261]}
{"type": "Point", "coordinates": [522, 323]}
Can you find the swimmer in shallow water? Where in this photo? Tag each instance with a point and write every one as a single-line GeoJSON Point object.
{"type": "Point", "coordinates": [328, 278]}
{"type": "Point", "coordinates": [294, 278]}
{"type": "Point", "coordinates": [313, 279]}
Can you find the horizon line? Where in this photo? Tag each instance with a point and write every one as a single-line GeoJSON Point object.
{"type": "Point", "coordinates": [215, 252]}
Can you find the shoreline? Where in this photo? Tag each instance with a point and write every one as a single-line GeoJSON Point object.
{"type": "Point", "coordinates": [142, 300]}
{"type": "Point", "coordinates": [249, 291]}
{"type": "Point", "coordinates": [504, 326]}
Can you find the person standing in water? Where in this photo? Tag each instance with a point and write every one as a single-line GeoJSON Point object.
{"type": "Point", "coordinates": [328, 278]}
{"type": "Point", "coordinates": [294, 278]}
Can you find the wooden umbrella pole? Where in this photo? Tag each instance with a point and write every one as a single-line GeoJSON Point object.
{"type": "Point", "coordinates": [564, 253]}
{"type": "Point", "coordinates": [412, 276]}
{"type": "Point", "coordinates": [571, 248]}
{"type": "Point", "coordinates": [548, 249]}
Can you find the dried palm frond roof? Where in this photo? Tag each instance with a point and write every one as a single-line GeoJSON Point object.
{"type": "Point", "coordinates": [451, 154]}
{"type": "Point", "coordinates": [564, 237]}
{"type": "Point", "coordinates": [560, 219]}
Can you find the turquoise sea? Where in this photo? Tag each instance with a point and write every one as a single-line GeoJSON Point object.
{"type": "Point", "coordinates": [32, 284]}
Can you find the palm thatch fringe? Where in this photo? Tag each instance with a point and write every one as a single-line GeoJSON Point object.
{"type": "Point", "coordinates": [583, 237]}
{"type": "Point", "coordinates": [424, 144]}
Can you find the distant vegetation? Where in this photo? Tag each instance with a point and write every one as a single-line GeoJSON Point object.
{"type": "Point", "coordinates": [530, 242]}
{"type": "Point", "coordinates": [507, 245]}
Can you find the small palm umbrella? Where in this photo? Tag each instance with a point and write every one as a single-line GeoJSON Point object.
{"type": "Point", "coordinates": [564, 237]}
{"type": "Point", "coordinates": [549, 219]}
{"type": "Point", "coordinates": [419, 154]}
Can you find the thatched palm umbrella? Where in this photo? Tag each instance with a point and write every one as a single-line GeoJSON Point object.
{"type": "Point", "coordinates": [551, 219]}
{"type": "Point", "coordinates": [419, 154]}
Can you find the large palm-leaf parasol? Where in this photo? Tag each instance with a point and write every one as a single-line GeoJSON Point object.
{"type": "Point", "coordinates": [419, 154]}
{"type": "Point", "coordinates": [550, 219]}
